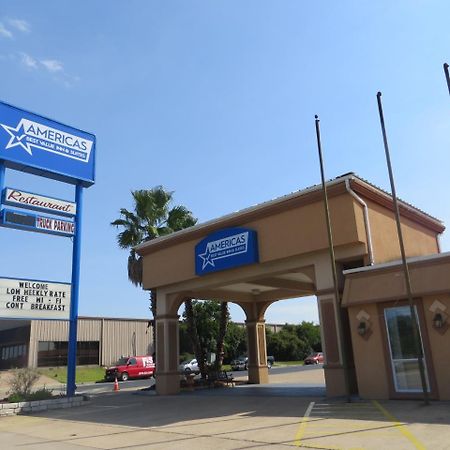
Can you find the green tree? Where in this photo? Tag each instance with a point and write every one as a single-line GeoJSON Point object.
{"type": "Point", "coordinates": [286, 345]}
{"type": "Point", "coordinates": [152, 217]}
{"type": "Point", "coordinates": [207, 324]}
{"type": "Point", "coordinates": [235, 343]}
{"type": "Point", "coordinates": [310, 333]}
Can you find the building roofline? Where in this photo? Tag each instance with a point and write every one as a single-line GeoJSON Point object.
{"type": "Point", "coordinates": [285, 202]}
{"type": "Point", "coordinates": [437, 257]}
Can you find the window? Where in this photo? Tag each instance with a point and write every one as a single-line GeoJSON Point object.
{"type": "Point", "coordinates": [54, 354]}
{"type": "Point", "coordinates": [404, 361]}
{"type": "Point", "coordinates": [13, 356]}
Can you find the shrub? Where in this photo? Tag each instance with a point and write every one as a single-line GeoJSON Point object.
{"type": "Point", "coordinates": [22, 381]}
{"type": "Point", "coordinates": [40, 394]}
{"type": "Point", "coordinates": [186, 356]}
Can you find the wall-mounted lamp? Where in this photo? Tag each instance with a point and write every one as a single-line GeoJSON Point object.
{"type": "Point", "coordinates": [439, 317]}
{"type": "Point", "coordinates": [438, 320]}
{"type": "Point", "coordinates": [362, 328]}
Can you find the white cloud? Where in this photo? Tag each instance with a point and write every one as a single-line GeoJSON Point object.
{"type": "Point", "coordinates": [52, 65]}
{"type": "Point", "coordinates": [5, 32]}
{"type": "Point", "coordinates": [28, 61]}
{"type": "Point", "coordinates": [19, 24]}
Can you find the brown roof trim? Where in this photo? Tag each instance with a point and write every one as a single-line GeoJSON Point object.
{"type": "Point", "coordinates": [394, 266]}
{"type": "Point", "coordinates": [306, 196]}
{"type": "Point", "coordinates": [285, 203]}
{"type": "Point", "coordinates": [381, 197]}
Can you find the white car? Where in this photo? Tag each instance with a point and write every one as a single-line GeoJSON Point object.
{"type": "Point", "coordinates": [189, 366]}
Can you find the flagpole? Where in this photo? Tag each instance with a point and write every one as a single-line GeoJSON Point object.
{"type": "Point", "coordinates": [414, 323]}
{"type": "Point", "coordinates": [337, 304]}
{"type": "Point", "coordinates": [447, 76]}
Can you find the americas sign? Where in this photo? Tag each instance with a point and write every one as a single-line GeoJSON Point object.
{"type": "Point", "coordinates": [41, 146]}
{"type": "Point", "coordinates": [226, 249]}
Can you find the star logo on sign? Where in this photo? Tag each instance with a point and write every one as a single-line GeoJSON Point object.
{"type": "Point", "coordinates": [206, 257]}
{"type": "Point", "coordinates": [17, 137]}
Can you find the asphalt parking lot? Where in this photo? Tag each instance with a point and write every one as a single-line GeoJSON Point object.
{"type": "Point", "coordinates": [276, 416]}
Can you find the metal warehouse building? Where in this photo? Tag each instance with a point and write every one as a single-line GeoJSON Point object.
{"type": "Point", "coordinates": [44, 343]}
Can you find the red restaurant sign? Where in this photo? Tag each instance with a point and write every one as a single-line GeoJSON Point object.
{"type": "Point", "coordinates": [22, 199]}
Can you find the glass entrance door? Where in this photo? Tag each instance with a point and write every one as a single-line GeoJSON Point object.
{"type": "Point", "coordinates": [404, 361]}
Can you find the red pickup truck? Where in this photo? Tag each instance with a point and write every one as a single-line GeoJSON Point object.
{"type": "Point", "coordinates": [131, 367]}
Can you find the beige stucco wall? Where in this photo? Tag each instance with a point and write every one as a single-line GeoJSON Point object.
{"type": "Point", "coordinates": [440, 345]}
{"type": "Point", "coordinates": [418, 239]}
{"type": "Point", "coordinates": [281, 235]}
{"type": "Point", "coordinates": [366, 290]}
{"type": "Point", "coordinates": [369, 355]}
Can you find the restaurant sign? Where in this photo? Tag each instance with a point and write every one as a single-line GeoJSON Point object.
{"type": "Point", "coordinates": [22, 199]}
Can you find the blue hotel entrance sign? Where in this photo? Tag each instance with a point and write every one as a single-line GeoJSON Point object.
{"type": "Point", "coordinates": [41, 146]}
{"type": "Point", "coordinates": [226, 249]}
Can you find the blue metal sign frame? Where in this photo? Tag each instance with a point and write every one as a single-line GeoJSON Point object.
{"type": "Point", "coordinates": [38, 145]}
{"type": "Point", "coordinates": [41, 146]}
{"type": "Point", "coordinates": [226, 249]}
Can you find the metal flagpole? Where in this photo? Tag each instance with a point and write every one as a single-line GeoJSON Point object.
{"type": "Point", "coordinates": [415, 325]}
{"type": "Point", "coordinates": [447, 76]}
{"type": "Point", "coordinates": [337, 304]}
{"type": "Point", "coordinates": [72, 356]}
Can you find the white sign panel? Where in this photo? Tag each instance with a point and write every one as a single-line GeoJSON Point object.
{"type": "Point", "coordinates": [22, 199]}
{"type": "Point", "coordinates": [33, 299]}
{"type": "Point", "coordinates": [56, 226]}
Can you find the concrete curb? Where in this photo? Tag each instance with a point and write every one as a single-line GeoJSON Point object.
{"type": "Point", "coordinates": [11, 409]}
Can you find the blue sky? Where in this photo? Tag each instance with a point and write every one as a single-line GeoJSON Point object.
{"type": "Point", "coordinates": [216, 101]}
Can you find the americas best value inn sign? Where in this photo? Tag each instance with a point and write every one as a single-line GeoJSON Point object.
{"type": "Point", "coordinates": [34, 299]}
{"type": "Point", "coordinates": [37, 145]}
{"type": "Point", "coordinates": [226, 249]}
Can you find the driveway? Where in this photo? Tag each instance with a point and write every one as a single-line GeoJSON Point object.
{"type": "Point", "coordinates": [242, 417]}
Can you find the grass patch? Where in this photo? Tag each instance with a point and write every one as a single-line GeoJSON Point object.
{"type": "Point", "coordinates": [83, 374]}
{"type": "Point", "coordinates": [288, 363]}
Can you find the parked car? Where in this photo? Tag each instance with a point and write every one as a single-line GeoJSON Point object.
{"type": "Point", "coordinates": [314, 358]}
{"type": "Point", "coordinates": [131, 367]}
{"type": "Point", "coordinates": [239, 363]}
{"type": "Point", "coordinates": [190, 366]}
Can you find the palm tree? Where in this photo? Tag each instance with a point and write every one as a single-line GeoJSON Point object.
{"type": "Point", "coordinates": [152, 217]}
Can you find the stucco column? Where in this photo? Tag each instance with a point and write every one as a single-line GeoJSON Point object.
{"type": "Point", "coordinates": [167, 375]}
{"type": "Point", "coordinates": [333, 364]}
{"type": "Point", "coordinates": [257, 352]}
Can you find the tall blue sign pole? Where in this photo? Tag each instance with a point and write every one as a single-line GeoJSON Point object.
{"type": "Point", "coordinates": [73, 321]}
{"type": "Point", "coordinates": [2, 175]}
{"type": "Point", "coordinates": [41, 146]}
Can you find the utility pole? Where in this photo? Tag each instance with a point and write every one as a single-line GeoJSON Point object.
{"type": "Point", "coordinates": [447, 76]}
{"type": "Point", "coordinates": [414, 323]}
{"type": "Point", "coordinates": [337, 303]}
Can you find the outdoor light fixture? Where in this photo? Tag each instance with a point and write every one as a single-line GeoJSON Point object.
{"type": "Point", "coordinates": [438, 320]}
{"type": "Point", "coordinates": [362, 328]}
